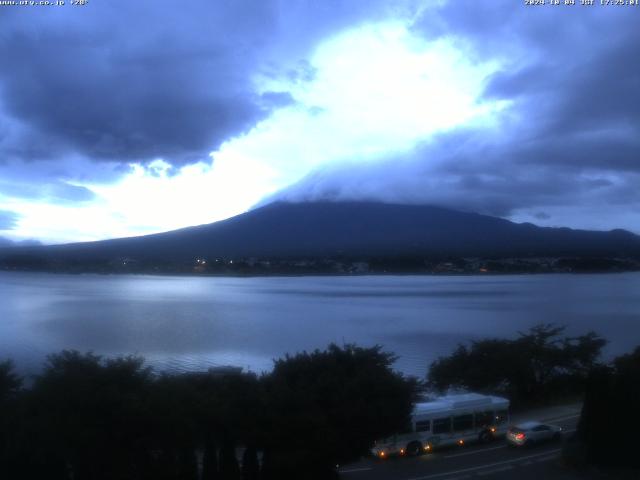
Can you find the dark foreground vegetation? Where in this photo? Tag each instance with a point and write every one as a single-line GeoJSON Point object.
{"type": "Point", "coordinates": [87, 418]}
{"type": "Point", "coordinates": [539, 366]}
{"type": "Point", "coordinates": [543, 366]}
{"type": "Point", "coordinates": [608, 431]}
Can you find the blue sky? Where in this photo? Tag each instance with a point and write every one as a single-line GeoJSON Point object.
{"type": "Point", "coordinates": [126, 118]}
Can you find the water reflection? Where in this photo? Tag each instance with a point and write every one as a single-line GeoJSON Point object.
{"type": "Point", "coordinates": [192, 323]}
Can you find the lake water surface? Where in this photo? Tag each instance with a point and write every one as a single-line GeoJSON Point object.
{"type": "Point", "coordinates": [191, 323]}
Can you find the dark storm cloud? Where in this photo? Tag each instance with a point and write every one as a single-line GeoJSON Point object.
{"type": "Point", "coordinates": [86, 91]}
{"type": "Point", "coordinates": [469, 171]}
{"type": "Point", "coordinates": [463, 181]}
{"type": "Point", "coordinates": [8, 219]}
{"type": "Point", "coordinates": [575, 81]}
{"type": "Point", "coordinates": [124, 83]}
{"type": "Point", "coordinates": [570, 137]}
{"type": "Point", "coordinates": [133, 81]}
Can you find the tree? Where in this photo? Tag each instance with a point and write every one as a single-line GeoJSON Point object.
{"type": "Point", "coordinates": [327, 407]}
{"type": "Point", "coordinates": [611, 400]}
{"type": "Point", "coordinates": [208, 412]}
{"type": "Point", "coordinates": [87, 417]}
{"type": "Point", "coordinates": [10, 382]}
{"type": "Point", "coordinates": [86, 414]}
{"type": "Point", "coordinates": [10, 390]}
{"type": "Point", "coordinates": [172, 404]}
{"type": "Point", "coordinates": [250, 465]}
{"type": "Point", "coordinates": [534, 367]}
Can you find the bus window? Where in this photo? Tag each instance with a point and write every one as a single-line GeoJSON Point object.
{"type": "Point", "coordinates": [501, 416]}
{"type": "Point", "coordinates": [442, 425]}
{"type": "Point", "coordinates": [423, 425]}
{"type": "Point", "coordinates": [462, 422]}
{"type": "Point", "coordinates": [484, 419]}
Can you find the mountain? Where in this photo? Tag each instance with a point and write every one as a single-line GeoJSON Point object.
{"type": "Point", "coordinates": [349, 229]}
{"type": "Point", "coordinates": [5, 242]}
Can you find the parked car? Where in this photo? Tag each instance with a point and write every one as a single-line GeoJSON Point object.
{"type": "Point", "coordinates": [528, 433]}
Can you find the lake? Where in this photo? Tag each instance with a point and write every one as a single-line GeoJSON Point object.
{"type": "Point", "coordinates": [192, 323]}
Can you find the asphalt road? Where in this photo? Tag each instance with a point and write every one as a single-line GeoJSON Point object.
{"type": "Point", "coordinates": [493, 461]}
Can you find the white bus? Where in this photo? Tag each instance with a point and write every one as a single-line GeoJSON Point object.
{"type": "Point", "coordinates": [449, 420]}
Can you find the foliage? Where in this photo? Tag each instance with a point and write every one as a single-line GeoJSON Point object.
{"type": "Point", "coordinates": [91, 418]}
{"type": "Point", "coordinates": [88, 415]}
{"type": "Point", "coordinates": [534, 367]}
{"type": "Point", "coordinates": [10, 382]}
{"type": "Point", "coordinates": [10, 389]}
{"type": "Point", "coordinates": [608, 427]}
{"type": "Point", "coordinates": [326, 407]}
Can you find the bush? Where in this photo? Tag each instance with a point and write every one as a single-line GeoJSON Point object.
{"type": "Point", "coordinates": [90, 418]}
{"type": "Point", "coordinates": [609, 424]}
{"type": "Point", "coordinates": [327, 408]}
{"type": "Point", "coordinates": [538, 366]}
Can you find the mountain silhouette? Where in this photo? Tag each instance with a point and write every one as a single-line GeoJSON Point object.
{"type": "Point", "coordinates": [351, 229]}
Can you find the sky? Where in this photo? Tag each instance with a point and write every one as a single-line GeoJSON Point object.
{"type": "Point", "coordinates": [121, 118]}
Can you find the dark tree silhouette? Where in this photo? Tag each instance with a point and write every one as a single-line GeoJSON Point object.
{"type": "Point", "coordinates": [229, 467]}
{"type": "Point", "coordinates": [209, 457]}
{"type": "Point", "coordinates": [250, 465]}
{"type": "Point", "coordinates": [10, 381]}
{"type": "Point", "coordinates": [175, 406]}
{"type": "Point", "coordinates": [607, 431]}
{"type": "Point", "coordinates": [228, 413]}
{"type": "Point", "coordinates": [10, 388]}
{"type": "Point", "coordinates": [327, 407]}
{"type": "Point", "coordinates": [534, 367]}
{"type": "Point", "coordinates": [90, 418]}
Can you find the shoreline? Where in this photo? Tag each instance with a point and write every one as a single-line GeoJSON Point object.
{"type": "Point", "coordinates": [318, 274]}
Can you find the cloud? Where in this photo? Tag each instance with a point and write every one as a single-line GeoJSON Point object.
{"type": "Point", "coordinates": [473, 170]}
{"type": "Point", "coordinates": [8, 219]}
{"type": "Point", "coordinates": [54, 191]}
{"type": "Point", "coordinates": [120, 86]}
{"type": "Point", "coordinates": [135, 81]}
{"type": "Point", "coordinates": [353, 106]}
{"type": "Point", "coordinates": [376, 90]}
{"type": "Point", "coordinates": [569, 140]}
{"type": "Point", "coordinates": [274, 100]}
{"type": "Point", "coordinates": [494, 107]}
{"type": "Point", "coordinates": [89, 95]}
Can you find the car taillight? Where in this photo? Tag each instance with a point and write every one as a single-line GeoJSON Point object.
{"type": "Point", "coordinates": [519, 436]}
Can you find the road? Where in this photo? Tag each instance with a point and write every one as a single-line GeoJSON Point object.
{"type": "Point", "coordinates": [493, 461]}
